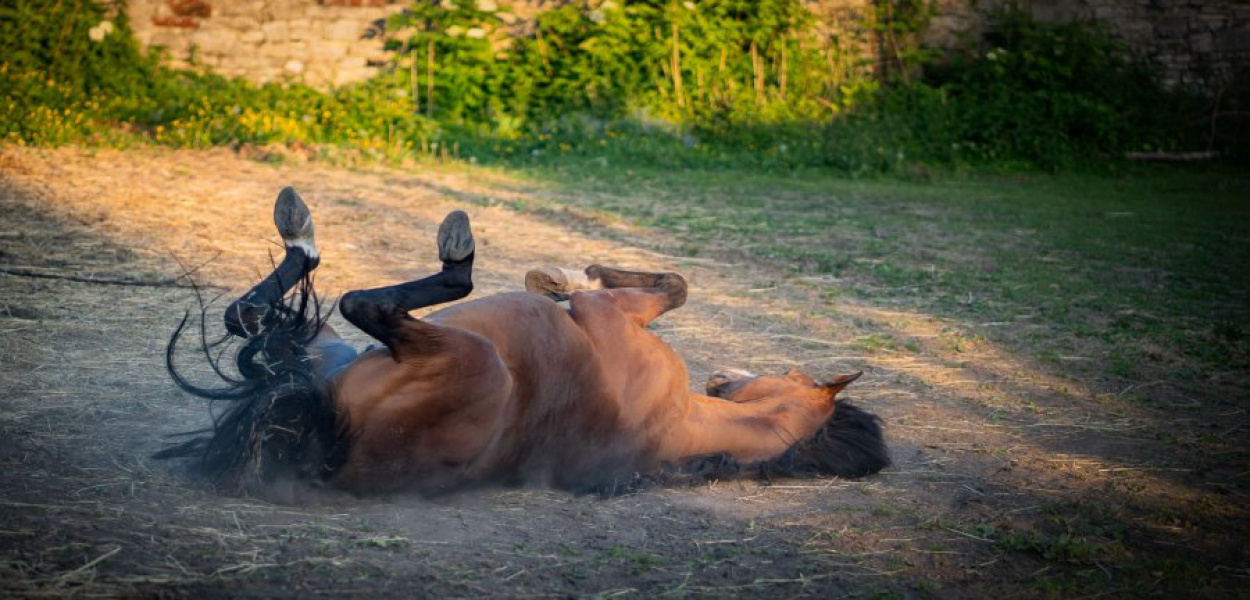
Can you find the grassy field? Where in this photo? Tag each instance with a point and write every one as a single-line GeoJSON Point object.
{"type": "Point", "coordinates": [1136, 283]}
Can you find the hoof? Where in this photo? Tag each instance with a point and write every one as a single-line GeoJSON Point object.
{"type": "Point", "coordinates": [455, 237]}
{"type": "Point", "coordinates": [294, 222]}
{"type": "Point", "coordinates": [557, 283]}
{"type": "Point", "coordinates": [726, 381]}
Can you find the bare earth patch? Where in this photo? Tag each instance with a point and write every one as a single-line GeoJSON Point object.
{"type": "Point", "coordinates": [1009, 481]}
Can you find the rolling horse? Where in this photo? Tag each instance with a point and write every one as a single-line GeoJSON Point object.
{"type": "Point", "coordinates": [516, 388]}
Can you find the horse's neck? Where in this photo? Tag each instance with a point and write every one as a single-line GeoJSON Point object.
{"type": "Point", "coordinates": [752, 431]}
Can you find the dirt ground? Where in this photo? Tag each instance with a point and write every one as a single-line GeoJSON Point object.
{"type": "Point", "coordinates": [1009, 481]}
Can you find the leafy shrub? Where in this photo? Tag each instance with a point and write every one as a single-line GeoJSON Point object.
{"type": "Point", "coordinates": [1056, 94]}
{"type": "Point", "coordinates": [712, 84]}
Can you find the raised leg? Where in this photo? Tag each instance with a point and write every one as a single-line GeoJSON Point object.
{"type": "Point", "coordinates": [245, 317]}
{"type": "Point", "coordinates": [383, 312]}
{"type": "Point", "coordinates": [640, 295]}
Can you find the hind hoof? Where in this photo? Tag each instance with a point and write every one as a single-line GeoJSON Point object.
{"type": "Point", "coordinates": [725, 381]}
{"type": "Point", "coordinates": [557, 283]}
{"type": "Point", "coordinates": [295, 222]}
{"type": "Point", "coordinates": [455, 237]}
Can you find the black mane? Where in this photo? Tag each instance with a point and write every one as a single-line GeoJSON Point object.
{"type": "Point", "coordinates": [278, 422]}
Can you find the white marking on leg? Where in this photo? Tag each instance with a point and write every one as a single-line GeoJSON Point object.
{"type": "Point", "coordinates": [578, 280]}
{"type": "Point", "coordinates": [734, 374]}
{"type": "Point", "coordinates": [306, 244]}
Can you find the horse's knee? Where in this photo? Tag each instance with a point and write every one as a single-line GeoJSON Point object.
{"type": "Point", "coordinates": [355, 305]}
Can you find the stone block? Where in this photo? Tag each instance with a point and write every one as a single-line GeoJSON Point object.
{"type": "Point", "coordinates": [171, 22]}
{"type": "Point", "coordinates": [1172, 26]}
{"type": "Point", "coordinates": [1109, 13]}
{"type": "Point", "coordinates": [239, 23]}
{"type": "Point", "coordinates": [190, 8]}
{"type": "Point", "coordinates": [284, 50]}
{"type": "Point", "coordinates": [301, 30]}
{"type": "Point", "coordinates": [1234, 40]}
{"type": "Point", "coordinates": [174, 40]}
{"type": "Point", "coordinates": [353, 75]}
{"type": "Point", "coordinates": [237, 8]}
{"type": "Point", "coordinates": [1137, 31]}
{"type": "Point", "coordinates": [215, 42]}
{"type": "Point", "coordinates": [344, 30]}
{"type": "Point", "coordinates": [366, 50]}
{"type": "Point", "coordinates": [276, 30]}
{"type": "Point", "coordinates": [1202, 43]}
{"type": "Point", "coordinates": [325, 49]}
{"type": "Point", "coordinates": [254, 36]}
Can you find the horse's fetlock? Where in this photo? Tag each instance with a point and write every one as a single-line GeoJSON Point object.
{"type": "Point", "coordinates": [459, 277]}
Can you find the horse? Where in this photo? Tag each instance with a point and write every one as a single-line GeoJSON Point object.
{"type": "Point", "coordinates": [561, 385]}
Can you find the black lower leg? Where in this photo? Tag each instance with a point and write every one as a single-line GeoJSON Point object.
{"type": "Point", "coordinates": [245, 316]}
{"type": "Point", "coordinates": [379, 311]}
{"type": "Point", "coordinates": [454, 282]}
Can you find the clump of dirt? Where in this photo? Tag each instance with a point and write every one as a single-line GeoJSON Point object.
{"type": "Point", "coordinates": [1005, 482]}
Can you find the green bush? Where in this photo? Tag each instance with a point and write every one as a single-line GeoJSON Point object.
{"type": "Point", "coordinates": [752, 86]}
{"type": "Point", "coordinates": [1054, 95]}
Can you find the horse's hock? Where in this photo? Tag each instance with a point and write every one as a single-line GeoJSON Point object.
{"type": "Point", "coordinates": [334, 42]}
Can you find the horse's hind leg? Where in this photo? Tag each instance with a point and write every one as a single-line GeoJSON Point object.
{"type": "Point", "coordinates": [383, 312]}
{"type": "Point", "coordinates": [245, 316]}
{"type": "Point", "coordinates": [644, 296]}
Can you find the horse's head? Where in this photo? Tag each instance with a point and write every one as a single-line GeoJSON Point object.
{"type": "Point", "coordinates": [848, 444]}
{"type": "Point", "coordinates": [741, 386]}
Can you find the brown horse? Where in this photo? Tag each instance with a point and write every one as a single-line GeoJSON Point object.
{"type": "Point", "coordinates": [513, 388]}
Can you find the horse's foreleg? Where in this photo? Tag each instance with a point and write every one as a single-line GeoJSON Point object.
{"type": "Point", "coordinates": [383, 312]}
{"type": "Point", "coordinates": [640, 295]}
{"type": "Point", "coordinates": [245, 316]}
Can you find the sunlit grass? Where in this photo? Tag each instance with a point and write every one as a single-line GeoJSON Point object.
{"type": "Point", "coordinates": [1120, 279]}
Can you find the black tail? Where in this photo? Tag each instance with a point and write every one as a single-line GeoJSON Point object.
{"type": "Point", "coordinates": [851, 444]}
{"type": "Point", "coordinates": [279, 422]}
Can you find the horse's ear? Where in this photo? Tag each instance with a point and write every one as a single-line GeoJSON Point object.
{"type": "Point", "coordinates": [841, 381]}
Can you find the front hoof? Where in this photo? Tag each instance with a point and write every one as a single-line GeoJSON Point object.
{"type": "Point", "coordinates": [295, 223]}
{"type": "Point", "coordinates": [455, 237]}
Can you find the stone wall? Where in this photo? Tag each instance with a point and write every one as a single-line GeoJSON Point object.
{"type": "Point", "coordinates": [320, 42]}
{"type": "Point", "coordinates": [1196, 43]}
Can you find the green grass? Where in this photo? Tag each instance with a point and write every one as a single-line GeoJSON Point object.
{"type": "Point", "coordinates": [1120, 279]}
